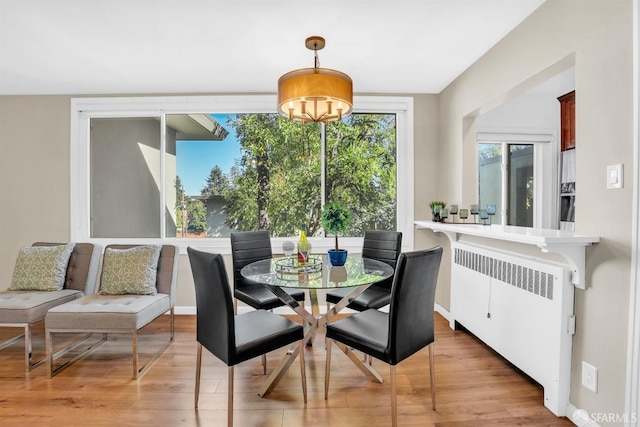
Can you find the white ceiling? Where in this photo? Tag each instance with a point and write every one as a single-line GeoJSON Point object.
{"type": "Point", "coordinates": [215, 46]}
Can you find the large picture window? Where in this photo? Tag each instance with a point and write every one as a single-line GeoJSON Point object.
{"type": "Point", "coordinates": [166, 169]}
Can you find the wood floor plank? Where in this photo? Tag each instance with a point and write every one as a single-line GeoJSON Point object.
{"type": "Point", "coordinates": [474, 387]}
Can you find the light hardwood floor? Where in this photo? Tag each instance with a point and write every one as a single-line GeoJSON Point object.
{"type": "Point", "coordinates": [474, 387]}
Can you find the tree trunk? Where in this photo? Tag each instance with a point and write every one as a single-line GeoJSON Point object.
{"type": "Point", "coordinates": [262, 168]}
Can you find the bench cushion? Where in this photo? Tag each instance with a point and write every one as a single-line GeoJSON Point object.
{"type": "Point", "coordinates": [32, 306]}
{"type": "Point", "coordinates": [107, 313]}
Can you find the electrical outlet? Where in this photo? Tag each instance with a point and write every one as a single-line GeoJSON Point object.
{"type": "Point", "coordinates": [590, 377]}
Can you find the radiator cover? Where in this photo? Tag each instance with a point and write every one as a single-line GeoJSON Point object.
{"type": "Point", "coordinates": [520, 306]}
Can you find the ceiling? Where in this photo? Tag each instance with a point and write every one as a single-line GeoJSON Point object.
{"type": "Point", "coordinates": [242, 46]}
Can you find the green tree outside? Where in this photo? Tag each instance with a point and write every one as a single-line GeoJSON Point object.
{"type": "Point", "coordinates": [193, 210]}
{"type": "Point", "coordinates": [197, 216]}
{"type": "Point", "coordinates": [361, 170]}
{"type": "Point", "coordinates": [216, 184]}
{"type": "Point", "coordinates": [276, 184]}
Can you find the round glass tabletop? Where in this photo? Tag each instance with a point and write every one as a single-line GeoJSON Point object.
{"type": "Point", "coordinates": [318, 273]}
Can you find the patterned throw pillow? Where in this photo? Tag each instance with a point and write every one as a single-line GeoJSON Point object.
{"type": "Point", "coordinates": [130, 271]}
{"type": "Point", "coordinates": [41, 268]}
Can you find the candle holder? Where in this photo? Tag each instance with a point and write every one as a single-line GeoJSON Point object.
{"type": "Point", "coordinates": [464, 214]}
{"type": "Point", "coordinates": [491, 211]}
{"type": "Point", "coordinates": [287, 248]}
{"type": "Point", "coordinates": [484, 216]}
{"type": "Point", "coordinates": [473, 210]}
{"type": "Point", "coordinates": [453, 210]}
{"type": "Point", "coordinates": [444, 214]}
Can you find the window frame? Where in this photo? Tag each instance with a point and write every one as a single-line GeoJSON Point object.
{"type": "Point", "coordinates": [545, 169]}
{"type": "Point", "coordinates": [84, 109]}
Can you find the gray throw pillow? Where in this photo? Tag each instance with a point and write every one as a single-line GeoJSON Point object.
{"type": "Point", "coordinates": [41, 268]}
{"type": "Point", "coordinates": [130, 271]}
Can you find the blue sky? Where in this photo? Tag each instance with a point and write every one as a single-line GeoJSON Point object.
{"type": "Point", "coordinates": [195, 159]}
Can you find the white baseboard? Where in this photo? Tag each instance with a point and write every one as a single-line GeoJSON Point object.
{"type": "Point", "coordinates": [443, 312]}
{"type": "Point", "coordinates": [580, 417]}
{"type": "Point", "coordinates": [185, 309]}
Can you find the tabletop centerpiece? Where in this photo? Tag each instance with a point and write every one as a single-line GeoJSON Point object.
{"type": "Point", "coordinates": [336, 219]}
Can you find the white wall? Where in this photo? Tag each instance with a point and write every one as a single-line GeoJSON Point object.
{"type": "Point", "coordinates": [596, 37]}
{"type": "Point", "coordinates": [537, 108]}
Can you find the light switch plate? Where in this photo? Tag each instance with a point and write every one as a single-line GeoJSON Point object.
{"type": "Point", "coordinates": [615, 176]}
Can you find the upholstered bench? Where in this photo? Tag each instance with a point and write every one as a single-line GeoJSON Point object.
{"type": "Point", "coordinates": [25, 308]}
{"type": "Point", "coordinates": [122, 313]}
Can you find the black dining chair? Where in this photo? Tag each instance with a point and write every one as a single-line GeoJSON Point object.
{"type": "Point", "coordinates": [234, 338]}
{"type": "Point", "coordinates": [248, 247]}
{"type": "Point", "coordinates": [407, 328]}
{"type": "Point", "coordinates": [383, 246]}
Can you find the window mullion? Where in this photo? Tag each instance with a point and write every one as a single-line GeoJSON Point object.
{"type": "Point", "coordinates": [163, 189]}
{"type": "Point", "coordinates": [323, 167]}
{"type": "Point", "coordinates": [505, 183]}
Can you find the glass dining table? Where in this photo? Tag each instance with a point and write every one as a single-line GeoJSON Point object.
{"type": "Point", "coordinates": [317, 274]}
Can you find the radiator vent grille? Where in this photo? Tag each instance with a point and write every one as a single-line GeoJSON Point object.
{"type": "Point", "coordinates": [528, 279]}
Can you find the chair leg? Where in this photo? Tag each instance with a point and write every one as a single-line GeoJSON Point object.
{"type": "Point", "coordinates": [366, 359]}
{"type": "Point", "coordinates": [432, 377]}
{"type": "Point", "coordinates": [50, 356]}
{"type": "Point", "coordinates": [134, 350]}
{"type": "Point", "coordinates": [172, 326]}
{"type": "Point", "coordinates": [198, 365]}
{"type": "Point", "coordinates": [264, 364]}
{"type": "Point", "coordinates": [230, 405]}
{"type": "Point", "coordinates": [49, 352]}
{"type": "Point", "coordinates": [394, 407]}
{"type": "Point", "coordinates": [139, 371]}
{"type": "Point", "coordinates": [327, 368]}
{"type": "Point", "coordinates": [303, 371]}
{"type": "Point", "coordinates": [27, 347]}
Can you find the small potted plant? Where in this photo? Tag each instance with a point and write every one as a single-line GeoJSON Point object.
{"type": "Point", "coordinates": [436, 206]}
{"type": "Point", "coordinates": [336, 219]}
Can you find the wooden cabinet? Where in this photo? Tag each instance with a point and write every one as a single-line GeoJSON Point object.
{"type": "Point", "coordinates": [568, 121]}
